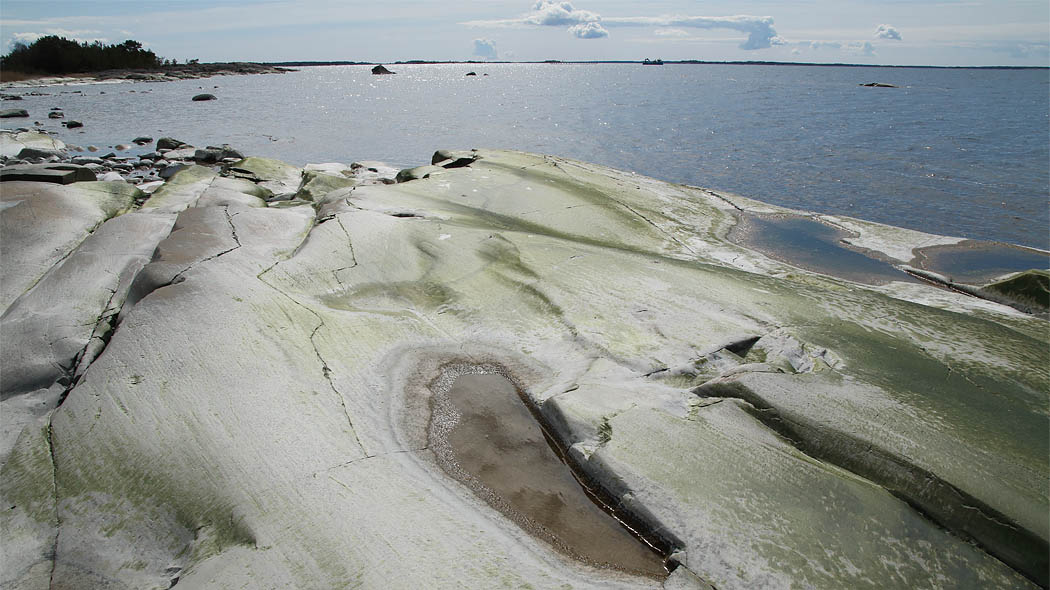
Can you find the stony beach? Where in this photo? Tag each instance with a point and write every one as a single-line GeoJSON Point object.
{"type": "Point", "coordinates": [223, 370]}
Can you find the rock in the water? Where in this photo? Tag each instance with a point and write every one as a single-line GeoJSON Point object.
{"type": "Point", "coordinates": [472, 73]}
{"type": "Point", "coordinates": [170, 143]}
{"type": "Point", "coordinates": [212, 154]}
{"type": "Point", "coordinates": [56, 115]}
{"type": "Point", "coordinates": [878, 85]}
{"type": "Point", "coordinates": [203, 97]}
{"type": "Point", "coordinates": [144, 140]}
{"type": "Point", "coordinates": [71, 124]}
{"type": "Point", "coordinates": [381, 69]}
{"type": "Point", "coordinates": [13, 113]}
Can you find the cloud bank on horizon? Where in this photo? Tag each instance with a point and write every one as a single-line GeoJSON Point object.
{"type": "Point", "coordinates": [585, 24]}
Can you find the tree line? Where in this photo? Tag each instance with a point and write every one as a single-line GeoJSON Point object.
{"type": "Point", "coordinates": [58, 55]}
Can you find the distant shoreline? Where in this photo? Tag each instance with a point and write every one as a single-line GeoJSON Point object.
{"type": "Point", "coordinates": [207, 70]}
{"type": "Point", "coordinates": [626, 62]}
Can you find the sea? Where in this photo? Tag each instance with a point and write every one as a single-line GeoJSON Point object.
{"type": "Point", "coordinates": [959, 152]}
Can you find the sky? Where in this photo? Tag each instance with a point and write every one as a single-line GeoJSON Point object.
{"type": "Point", "coordinates": [892, 32]}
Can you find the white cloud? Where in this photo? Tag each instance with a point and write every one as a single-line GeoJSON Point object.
{"type": "Point", "coordinates": [761, 34]}
{"type": "Point", "coordinates": [671, 33]}
{"type": "Point", "coordinates": [887, 32]}
{"type": "Point", "coordinates": [82, 36]}
{"type": "Point", "coordinates": [550, 13]}
{"type": "Point", "coordinates": [864, 47]}
{"type": "Point", "coordinates": [825, 45]}
{"type": "Point", "coordinates": [590, 25]}
{"type": "Point", "coordinates": [591, 30]}
{"type": "Point", "coordinates": [485, 49]}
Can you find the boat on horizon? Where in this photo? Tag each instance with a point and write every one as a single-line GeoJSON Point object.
{"type": "Point", "coordinates": [652, 62]}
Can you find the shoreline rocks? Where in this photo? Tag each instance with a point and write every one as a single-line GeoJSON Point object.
{"type": "Point", "coordinates": [290, 331]}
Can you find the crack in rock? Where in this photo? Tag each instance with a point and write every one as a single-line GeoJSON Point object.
{"type": "Point", "coordinates": [935, 499]}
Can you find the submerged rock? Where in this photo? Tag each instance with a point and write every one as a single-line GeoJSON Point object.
{"type": "Point", "coordinates": [13, 113]}
{"type": "Point", "coordinates": [269, 386]}
{"type": "Point", "coordinates": [204, 97]}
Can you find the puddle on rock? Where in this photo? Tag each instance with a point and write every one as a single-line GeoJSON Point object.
{"type": "Point", "coordinates": [485, 436]}
{"type": "Point", "coordinates": [977, 263]}
{"type": "Point", "coordinates": [812, 245]}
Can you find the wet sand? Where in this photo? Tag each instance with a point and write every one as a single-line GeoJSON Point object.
{"type": "Point", "coordinates": [498, 449]}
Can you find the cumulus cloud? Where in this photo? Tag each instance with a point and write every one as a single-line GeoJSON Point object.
{"type": "Point", "coordinates": [887, 32]}
{"type": "Point", "coordinates": [585, 24]}
{"type": "Point", "coordinates": [591, 30]}
{"type": "Point", "coordinates": [80, 36]}
{"type": "Point", "coordinates": [761, 34]}
{"type": "Point", "coordinates": [485, 49]}
{"type": "Point", "coordinates": [825, 45]}
{"type": "Point", "coordinates": [549, 13]}
{"type": "Point", "coordinates": [865, 48]}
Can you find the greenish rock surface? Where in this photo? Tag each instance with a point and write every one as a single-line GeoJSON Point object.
{"type": "Point", "coordinates": [1030, 290]}
{"type": "Point", "coordinates": [259, 416]}
{"type": "Point", "coordinates": [273, 175]}
{"type": "Point", "coordinates": [317, 184]}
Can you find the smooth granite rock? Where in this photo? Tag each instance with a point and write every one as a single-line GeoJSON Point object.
{"type": "Point", "coordinates": [260, 416]}
{"type": "Point", "coordinates": [274, 175]}
{"type": "Point", "coordinates": [11, 143]}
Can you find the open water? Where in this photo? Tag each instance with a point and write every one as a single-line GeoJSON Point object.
{"type": "Point", "coordinates": [958, 152]}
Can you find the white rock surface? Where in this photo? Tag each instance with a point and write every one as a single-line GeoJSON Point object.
{"type": "Point", "coordinates": [259, 417]}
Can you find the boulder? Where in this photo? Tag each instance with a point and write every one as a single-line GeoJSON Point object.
{"type": "Point", "coordinates": [12, 143]}
{"type": "Point", "coordinates": [144, 140]}
{"type": "Point", "coordinates": [42, 153]}
{"type": "Point", "coordinates": [56, 115]}
{"type": "Point", "coordinates": [170, 143]}
{"type": "Point", "coordinates": [111, 176]}
{"type": "Point", "coordinates": [13, 113]}
{"type": "Point", "coordinates": [316, 185]}
{"type": "Point", "coordinates": [275, 176]}
{"type": "Point", "coordinates": [204, 97]}
{"type": "Point", "coordinates": [71, 124]}
{"type": "Point", "coordinates": [417, 173]}
{"type": "Point", "coordinates": [56, 173]}
{"type": "Point", "coordinates": [381, 69]}
{"type": "Point", "coordinates": [212, 154]}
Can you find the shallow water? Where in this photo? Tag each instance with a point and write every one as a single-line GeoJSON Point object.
{"type": "Point", "coordinates": [953, 151]}
{"type": "Point", "coordinates": [812, 245]}
{"type": "Point", "coordinates": [978, 263]}
{"type": "Point", "coordinates": [500, 451]}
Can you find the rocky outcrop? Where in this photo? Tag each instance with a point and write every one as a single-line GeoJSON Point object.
{"type": "Point", "coordinates": [252, 394]}
{"type": "Point", "coordinates": [381, 69]}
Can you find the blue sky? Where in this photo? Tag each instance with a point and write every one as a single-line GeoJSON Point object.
{"type": "Point", "coordinates": [901, 32]}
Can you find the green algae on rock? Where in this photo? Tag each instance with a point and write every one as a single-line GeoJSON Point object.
{"type": "Point", "coordinates": [260, 415]}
